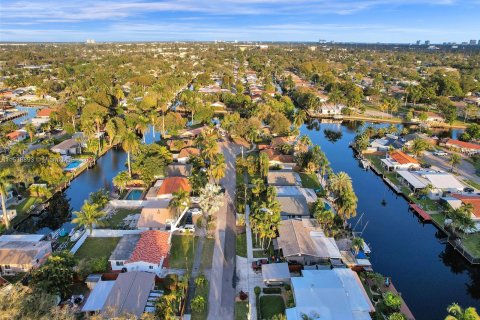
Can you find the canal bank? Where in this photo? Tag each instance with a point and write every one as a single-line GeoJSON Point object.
{"type": "Point", "coordinates": [429, 273]}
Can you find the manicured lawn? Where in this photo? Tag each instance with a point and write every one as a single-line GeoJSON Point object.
{"type": "Point", "coordinates": [207, 254]}
{"type": "Point", "coordinates": [271, 305]}
{"type": "Point", "coordinates": [23, 208]}
{"type": "Point", "coordinates": [116, 220]}
{"type": "Point", "coordinates": [201, 291]}
{"type": "Point", "coordinates": [181, 252]}
{"type": "Point", "coordinates": [97, 248]}
{"type": "Point", "coordinates": [242, 245]}
{"type": "Point", "coordinates": [310, 180]}
{"type": "Point", "coordinates": [472, 244]}
{"type": "Point", "coordinates": [438, 218]}
{"type": "Point", "coordinates": [14, 279]}
{"type": "Point", "coordinates": [241, 310]}
{"type": "Point", "coordinates": [473, 184]}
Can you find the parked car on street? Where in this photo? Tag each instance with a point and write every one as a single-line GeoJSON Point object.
{"type": "Point", "coordinates": [440, 153]}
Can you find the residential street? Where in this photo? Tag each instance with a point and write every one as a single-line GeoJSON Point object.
{"type": "Point", "coordinates": [222, 290]}
{"type": "Point", "coordinates": [465, 169]}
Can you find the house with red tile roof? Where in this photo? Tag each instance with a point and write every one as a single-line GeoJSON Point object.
{"type": "Point", "coordinates": [17, 135]}
{"type": "Point", "coordinates": [186, 153]}
{"type": "Point", "coordinates": [465, 147]}
{"type": "Point", "coordinates": [145, 252]}
{"type": "Point", "coordinates": [473, 200]}
{"type": "Point", "coordinates": [277, 158]}
{"type": "Point", "coordinates": [171, 185]}
{"type": "Point", "coordinates": [399, 160]}
{"type": "Point", "coordinates": [44, 113]}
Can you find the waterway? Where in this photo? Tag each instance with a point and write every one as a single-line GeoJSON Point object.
{"type": "Point", "coordinates": [429, 274]}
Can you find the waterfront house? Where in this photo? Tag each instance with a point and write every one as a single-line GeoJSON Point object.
{"type": "Point", "coordinates": [186, 153]}
{"type": "Point", "coordinates": [440, 182]}
{"type": "Point", "coordinates": [192, 133]}
{"type": "Point", "coordinates": [171, 185]}
{"type": "Point", "coordinates": [465, 147]}
{"type": "Point", "coordinates": [157, 215]}
{"type": "Point", "coordinates": [128, 294]}
{"type": "Point", "coordinates": [22, 254]}
{"type": "Point", "coordinates": [293, 207]}
{"type": "Point", "coordinates": [301, 242]}
{"type": "Point", "coordinates": [278, 141]}
{"type": "Point", "coordinates": [330, 109]}
{"type": "Point", "coordinates": [68, 147]}
{"type": "Point", "coordinates": [297, 191]}
{"type": "Point", "coordinates": [474, 200]}
{"type": "Point", "coordinates": [329, 294]}
{"type": "Point", "coordinates": [179, 170]}
{"type": "Point", "coordinates": [399, 160]}
{"type": "Point", "coordinates": [385, 144]}
{"type": "Point", "coordinates": [144, 252]}
{"type": "Point", "coordinates": [432, 117]}
{"type": "Point", "coordinates": [283, 178]}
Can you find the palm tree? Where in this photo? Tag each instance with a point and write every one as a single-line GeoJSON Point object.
{"type": "Point", "coordinates": [323, 216]}
{"type": "Point", "coordinates": [340, 182]}
{"type": "Point", "coordinates": [121, 180]}
{"type": "Point", "coordinates": [264, 164]}
{"type": "Point", "coordinates": [419, 146]}
{"type": "Point", "coordinates": [218, 167]}
{"type": "Point", "coordinates": [88, 216]}
{"type": "Point", "coordinates": [131, 145]}
{"type": "Point", "coordinates": [142, 126]}
{"type": "Point", "coordinates": [299, 118]}
{"type": "Point", "coordinates": [458, 313]}
{"type": "Point", "coordinates": [4, 184]}
{"type": "Point", "coordinates": [455, 160]}
{"type": "Point", "coordinates": [180, 201]}
{"type": "Point", "coordinates": [30, 128]}
{"type": "Point", "coordinates": [357, 244]}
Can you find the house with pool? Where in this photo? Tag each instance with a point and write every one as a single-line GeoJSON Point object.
{"type": "Point", "coordinates": [68, 147]}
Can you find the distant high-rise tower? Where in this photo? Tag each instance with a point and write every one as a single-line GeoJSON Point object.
{"type": "Point", "coordinates": [427, 42]}
{"type": "Point", "coordinates": [418, 42]}
{"type": "Point", "coordinates": [90, 41]}
{"type": "Point", "coordinates": [473, 42]}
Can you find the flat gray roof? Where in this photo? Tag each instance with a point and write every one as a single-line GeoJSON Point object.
{"type": "Point", "coordinates": [275, 271]}
{"type": "Point", "coordinates": [125, 247]}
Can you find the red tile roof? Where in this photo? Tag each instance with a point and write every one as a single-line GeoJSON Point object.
{"type": "Point", "coordinates": [15, 135]}
{"type": "Point", "coordinates": [473, 200]}
{"type": "Point", "coordinates": [402, 157]}
{"type": "Point", "coordinates": [174, 184]}
{"type": "Point", "coordinates": [274, 155]}
{"type": "Point", "coordinates": [46, 112]}
{"type": "Point", "coordinates": [152, 246]}
{"type": "Point", "coordinates": [186, 152]}
{"type": "Point", "coordinates": [463, 144]}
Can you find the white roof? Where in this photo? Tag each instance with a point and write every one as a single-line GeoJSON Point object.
{"type": "Point", "coordinates": [98, 296]}
{"type": "Point", "coordinates": [335, 294]}
{"type": "Point", "coordinates": [275, 271]}
{"type": "Point", "coordinates": [415, 180]}
{"type": "Point", "coordinates": [443, 180]}
{"type": "Point", "coordinates": [22, 237]}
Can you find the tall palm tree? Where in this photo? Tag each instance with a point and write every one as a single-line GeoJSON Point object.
{"type": "Point", "coordinates": [456, 312]}
{"type": "Point", "coordinates": [31, 129]}
{"type": "Point", "coordinates": [180, 201]}
{"type": "Point", "coordinates": [419, 146]}
{"type": "Point", "coordinates": [218, 167]}
{"type": "Point", "coordinates": [264, 164]}
{"type": "Point", "coordinates": [131, 145]}
{"type": "Point", "coordinates": [121, 180]}
{"type": "Point", "coordinates": [4, 184]}
{"type": "Point", "coordinates": [455, 160]}
{"type": "Point", "coordinates": [357, 244]}
{"type": "Point", "coordinates": [142, 126]}
{"type": "Point", "coordinates": [88, 216]}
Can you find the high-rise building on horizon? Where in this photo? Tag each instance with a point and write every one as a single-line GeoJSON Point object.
{"type": "Point", "coordinates": [473, 42]}
{"type": "Point", "coordinates": [427, 42]}
{"type": "Point", "coordinates": [418, 42]}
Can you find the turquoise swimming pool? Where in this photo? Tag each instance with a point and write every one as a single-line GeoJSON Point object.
{"type": "Point", "coordinates": [73, 165]}
{"type": "Point", "coordinates": [134, 194]}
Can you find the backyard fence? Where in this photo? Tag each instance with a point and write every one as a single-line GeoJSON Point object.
{"type": "Point", "coordinates": [127, 203]}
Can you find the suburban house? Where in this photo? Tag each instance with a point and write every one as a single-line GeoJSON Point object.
{"type": "Point", "coordinates": [68, 147]}
{"type": "Point", "coordinates": [277, 158]}
{"type": "Point", "coordinates": [144, 252]}
{"type": "Point", "coordinates": [465, 147]}
{"type": "Point", "coordinates": [171, 185]}
{"type": "Point", "coordinates": [399, 160]}
{"type": "Point", "coordinates": [218, 105]}
{"type": "Point", "coordinates": [185, 154]}
{"type": "Point", "coordinates": [192, 133]}
{"type": "Point", "coordinates": [301, 242]}
{"type": "Point", "coordinates": [439, 182]}
{"type": "Point", "coordinates": [385, 144]}
{"type": "Point", "coordinates": [331, 109]}
{"type": "Point", "coordinates": [179, 170]}
{"type": "Point", "coordinates": [474, 200]}
{"type": "Point", "coordinates": [278, 141]}
{"type": "Point", "coordinates": [293, 207]}
{"type": "Point", "coordinates": [157, 215]}
{"type": "Point", "coordinates": [22, 253]}
{"type": "Point", "coordinates": [329, 294]}
{"type": "Point", "coordinates": [296, 191]}
{"type": "Point", "coordinates": [17, 135]}
{"type": "Point", "coordinates": [43, 116]}
{"type": "Point", "coordinates": [431, 116]}
{"type": "Point", "coordinates": [283, 178]}
{"type": "Point", "coordinates": [275, 273]}
{"type": "Point", "coordinates": [128, 294]}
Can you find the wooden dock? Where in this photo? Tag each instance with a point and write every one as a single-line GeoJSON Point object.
{"type": "Point", "coordinates": [13, 115]}
{"type": "Point", "coordinates": [424, 215]}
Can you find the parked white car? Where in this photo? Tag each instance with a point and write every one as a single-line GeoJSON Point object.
{"type": "Point", "coordinates": [195, 211]}
{"type": "Point", "coordinates": [195, 199]}
{"type": "Point", "coordinates": [440, 153]}
{"type": "Point", "coordinates": [187, 228]}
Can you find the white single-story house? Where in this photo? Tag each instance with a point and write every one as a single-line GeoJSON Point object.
{"type": "Point", "coordinates": [68, 147]}
{"type": "Point", "coordinates": [22, 254]}
{"type": "Point", "coordinates": [399, 160]}
{"type": "Point", "coordinates": [440, 182]}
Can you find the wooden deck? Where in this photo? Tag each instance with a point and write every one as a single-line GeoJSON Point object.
{"type": "Point", "coordinates": [425, 216]}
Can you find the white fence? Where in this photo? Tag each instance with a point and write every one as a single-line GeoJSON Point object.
{"type": "Point", "coordinates": [101, 233]}
{"type": "Point", "coordinates": [127, 203]}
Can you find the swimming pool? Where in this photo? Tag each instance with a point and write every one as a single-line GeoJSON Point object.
{"type": "Point", "coordinates": [134, 194]}
{"type": "Point", "coordinates": [73, 165]}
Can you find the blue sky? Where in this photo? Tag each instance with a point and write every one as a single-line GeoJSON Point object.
{"type": "Point", "coordinates": [269, 20]}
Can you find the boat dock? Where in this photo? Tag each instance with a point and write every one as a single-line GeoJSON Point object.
{"type": "Point", "coordinates": [425, 216]}
{"type": "Point", "coordinates": [13, 115]}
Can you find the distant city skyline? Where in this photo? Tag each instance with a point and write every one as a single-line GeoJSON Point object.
{"type": "Point", "coordinates": [388, 21]}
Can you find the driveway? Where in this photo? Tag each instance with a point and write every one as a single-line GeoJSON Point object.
{"type": "Point", "coordinates": [465, 169]}
{"type": "Point", "coordinates": [222, 287]}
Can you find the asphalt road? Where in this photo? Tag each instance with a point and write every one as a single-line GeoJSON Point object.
{"type": "Point", "coordinates": [222, 284]}
{"type": "Point", "coordinates": [465, 169]}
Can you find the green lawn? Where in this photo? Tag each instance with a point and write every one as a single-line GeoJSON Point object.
{"type": "Point", "coordinates": [473, 184]}
{"type": "Point", "coordinates": [116, 220]}
{"type": "Point", "coordinates": [310, 180]}
{"type": "Point", "coordinates": [472, 244]}
{"type": "Point", "coordinates": [438, 218]}
{"type": "Point", "coordinates": [201, 291]}
{"type": "Point", "coordinates": [207, 254]}
{"type": "Point", "coordinates": [181, 252]}
{"type": "Point", "coordinates": [23, 208]}
{"type": "Point", "coordinates": [242, 245]}
{"type": "Point", "coordinates": [271, 305]}
{"type": "Point", "coordinates": [241, 310]}
{"type": "Point", "coordinates": [97, 248]}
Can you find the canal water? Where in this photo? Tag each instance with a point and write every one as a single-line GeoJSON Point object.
{"type": "Point", "coordinates": [429, 274]}
{"type": "Point", "coordinates": [31, 113]}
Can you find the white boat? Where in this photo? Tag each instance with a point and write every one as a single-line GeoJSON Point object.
{"type": "Point", "coordinates": [365, 164]}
